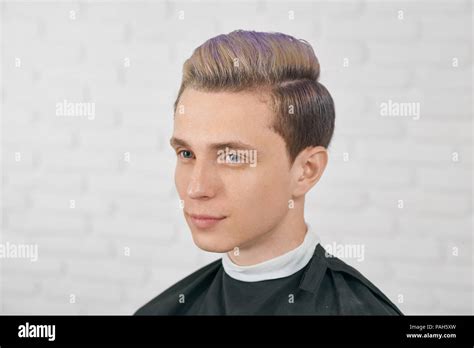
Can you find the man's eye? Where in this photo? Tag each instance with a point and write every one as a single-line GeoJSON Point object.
{"type": "Point", "coordinates": [185, 154]}
{"type": "Point", "coordinates": [233, 158]}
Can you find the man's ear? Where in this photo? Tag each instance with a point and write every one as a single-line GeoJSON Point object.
{"type": "Point", "coordinates": [308, 168]}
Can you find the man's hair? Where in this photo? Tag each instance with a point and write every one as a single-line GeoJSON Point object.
{"type": "Point", "coordinates": [277, 65]}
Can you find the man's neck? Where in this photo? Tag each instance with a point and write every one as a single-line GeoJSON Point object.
{"type": "Point", "coordinates": [285, 237]}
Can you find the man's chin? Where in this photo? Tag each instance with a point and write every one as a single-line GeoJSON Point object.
{"type": "Point", "coordinates": [212, 245]}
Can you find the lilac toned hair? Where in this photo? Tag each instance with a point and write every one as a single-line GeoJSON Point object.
{"type": "Point", "coordinates": [282, 69]}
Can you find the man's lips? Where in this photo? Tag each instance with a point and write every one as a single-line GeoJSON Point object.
{"type": "Point", "coordinates": [206, 217]}
{"type": "Point", "coordinates": [205, 221]}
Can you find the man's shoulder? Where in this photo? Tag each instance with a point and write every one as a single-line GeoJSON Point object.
{"type": "Point", "coordinates": [190, 287]}
{"type": "Point", "coordinates": [355, 293]}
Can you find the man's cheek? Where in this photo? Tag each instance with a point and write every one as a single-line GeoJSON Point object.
{"type": "Point", "coordinates": [181, 182]}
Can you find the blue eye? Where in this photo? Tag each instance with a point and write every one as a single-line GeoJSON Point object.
{"type": "Point", "coordinates": [234, 158]}
{"type": "Point", "coordinates": [185, 154]}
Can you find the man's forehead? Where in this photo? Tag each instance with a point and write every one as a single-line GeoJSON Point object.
{"type": "Point", "coordinates": [191, 131]}
{"type": "Point", "coordinates": [224, 105]}
{"type": "Point", "coordinates": [176, 140]}
{"type": "Point", "coordinates": [214, 118]}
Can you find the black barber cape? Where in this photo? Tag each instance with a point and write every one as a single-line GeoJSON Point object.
{"type": "Point", "coordinates": [325, 286]}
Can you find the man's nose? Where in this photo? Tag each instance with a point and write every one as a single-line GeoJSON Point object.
{"type": "Point", "coordinates": [202, 182]}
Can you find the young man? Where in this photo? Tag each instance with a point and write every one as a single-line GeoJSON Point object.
{"type": "Point", "coordinates": [252, 126]}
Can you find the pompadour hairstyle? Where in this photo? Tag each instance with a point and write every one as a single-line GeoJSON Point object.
{"type": "Point", "coordinates": [283, 68]}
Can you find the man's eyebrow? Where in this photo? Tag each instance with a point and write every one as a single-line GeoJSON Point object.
{"type": "Point", "coordinates": [236, 144]}
{"type": "Point", "coordinates": [175, 142]}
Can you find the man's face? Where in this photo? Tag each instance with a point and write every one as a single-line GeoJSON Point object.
{"type": "Point", "coordinates": [248, 191]}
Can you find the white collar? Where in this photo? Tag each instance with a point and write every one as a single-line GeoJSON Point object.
{"type": "Point", "coordinates": [278, 267]}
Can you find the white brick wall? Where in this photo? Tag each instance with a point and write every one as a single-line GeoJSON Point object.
{"type": "Point", "coordinates": [124, 240]}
